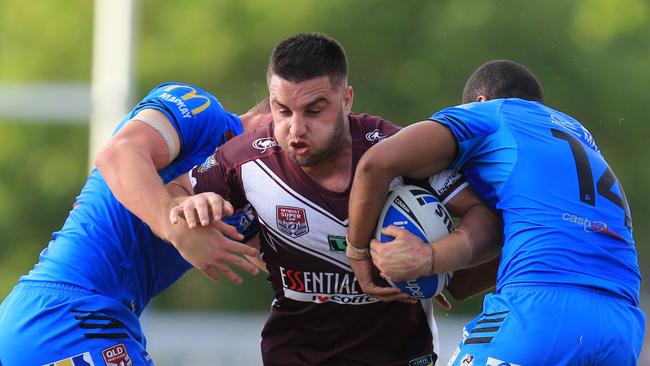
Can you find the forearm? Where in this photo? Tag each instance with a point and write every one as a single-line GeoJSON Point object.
{"type": "Point", "coordinates": [366, 200]}
{"type": "Point", "coordinates": [134, 181]}
{"type": "Point", "coordinates": [476, 239]}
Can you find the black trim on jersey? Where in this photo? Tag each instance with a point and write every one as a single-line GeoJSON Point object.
{"type": "Point", "coordinates": [111, 325]}
{"type": "Point", "coordinates": [297, 196]}
{"type": "Point", "coordinates": [497, 313]}
{"type": "Point", "coordinates": [279, 239]}
{"type": "Point", "coordinates": [106, 335]}
{"type": "Point", "coordinates": [495, 320]}
{"type": "Point", "coordinates": [478, 340]}
{"type": "Point", "coordinates": [92, 321]}
{"type": "Point", "coordinates": [484, 330]}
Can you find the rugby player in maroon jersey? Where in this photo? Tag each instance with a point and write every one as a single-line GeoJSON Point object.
{"type": "Point", "coordinates": [297, 173]}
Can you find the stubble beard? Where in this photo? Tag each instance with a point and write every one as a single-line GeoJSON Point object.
{"type": "Point", "coordinates": [331, 146]}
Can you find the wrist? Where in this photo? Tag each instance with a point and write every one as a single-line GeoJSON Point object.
{"type": "Point", "coordinates": [431, 266]}
{"type": "Point", "coordinates": [166, 233]}
{"type": "Point", "coordinates": [354, 252]}
{"type": "Point", "coordinates": [166, 230]}
{"type": "Point", "coordinates": [452, 252]}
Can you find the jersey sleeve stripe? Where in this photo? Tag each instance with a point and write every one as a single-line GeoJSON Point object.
{"type": "Point", "coordinates": [158, 126]}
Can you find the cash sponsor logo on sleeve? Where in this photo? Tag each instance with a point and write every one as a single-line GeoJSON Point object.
{"type": "Point", "coordinates": [593, 226]}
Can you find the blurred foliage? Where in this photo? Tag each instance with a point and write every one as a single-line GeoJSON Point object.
{"type": "Point", "coordinates": [407, 60]}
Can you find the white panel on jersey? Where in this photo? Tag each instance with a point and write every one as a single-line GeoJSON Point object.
{"type": "Point", "coordinates": [427, 306]}
{"type": "Point", "coordinates": [272, 197]}
{"type": "Point", "coordinates": [443, 183]}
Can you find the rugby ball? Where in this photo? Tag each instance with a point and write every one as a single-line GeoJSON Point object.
{"type": "Point", "coordinates": [421, 213]}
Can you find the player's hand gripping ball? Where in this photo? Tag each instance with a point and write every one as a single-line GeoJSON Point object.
{"type": "Point", "coordinates": [418, 211]}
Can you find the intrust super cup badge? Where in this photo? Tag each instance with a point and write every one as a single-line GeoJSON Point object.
{"type": "Point", "coordinates": [292, 221]}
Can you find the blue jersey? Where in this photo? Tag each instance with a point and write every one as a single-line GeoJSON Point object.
{"type": "Point", "coordinates": [106, 249]}
{"type": "Point", "coordinates": [566, 218]}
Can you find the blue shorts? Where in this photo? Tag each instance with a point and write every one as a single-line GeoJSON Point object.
{"type": "Point", "coordinates": [46, 323]}
{"type": "Point", "coordinates": [549, 324]}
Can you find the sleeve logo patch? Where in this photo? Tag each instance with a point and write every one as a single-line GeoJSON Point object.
{"type": "Point", "coordinates": [207, 164]}
{"type": "Point", "coordinates": [264, 143]}
{"type": "Point", "coordinates": [375, 136]}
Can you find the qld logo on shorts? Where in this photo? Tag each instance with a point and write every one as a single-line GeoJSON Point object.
{"type": "Point", "coordinates": [467, 360]}
{"type": "Point", "coordinates": [292, 221]}
{"type": "Point", "coordinates": [116, 356]}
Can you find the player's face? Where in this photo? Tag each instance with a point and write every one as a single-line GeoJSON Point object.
{"type": "Point", "coordinates": [310, 117]}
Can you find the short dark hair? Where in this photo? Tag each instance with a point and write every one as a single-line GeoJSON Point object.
{"type": "Point", "coordinates": [307, 56]}
{"type": "Point", "coordinates": [502, 79]}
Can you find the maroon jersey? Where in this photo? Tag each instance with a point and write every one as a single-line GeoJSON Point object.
{"type": "Point", "coordinates": [319, 315]}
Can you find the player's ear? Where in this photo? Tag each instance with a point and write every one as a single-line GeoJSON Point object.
{"type": "Point", "coordinates": [347, 99]}
{"type": "Point", "coordinates": [482, 98]}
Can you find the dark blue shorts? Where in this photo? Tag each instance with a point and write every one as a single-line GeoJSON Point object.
{"type": "Point", "coordinates": [549, 324]}
{"type": "Point", "coordinates": [46, 323]}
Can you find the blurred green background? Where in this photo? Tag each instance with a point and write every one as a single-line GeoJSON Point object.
{"type": "Point", "coordinates": [407, 60]}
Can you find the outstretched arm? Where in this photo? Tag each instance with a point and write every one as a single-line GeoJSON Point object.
{"type": "Point", "coordinates": [202, 238]}
{"type": "Point", "coordinates": [129, 164]}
